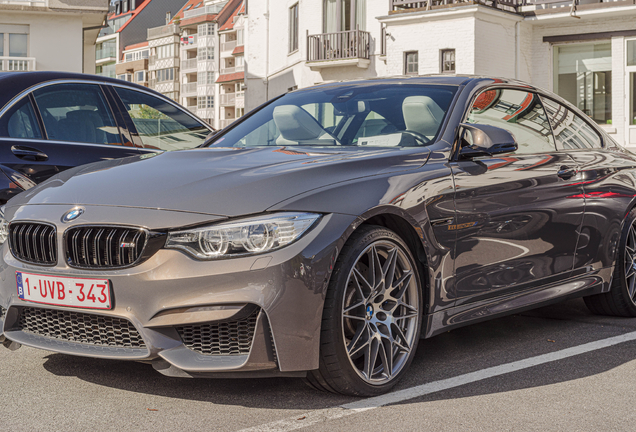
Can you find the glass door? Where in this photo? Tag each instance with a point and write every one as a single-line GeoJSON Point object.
{"type": "Point", "coordinates": [630, 85]}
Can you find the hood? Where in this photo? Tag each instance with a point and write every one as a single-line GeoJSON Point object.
{"type": "Point", "coordinates": [216, 181]}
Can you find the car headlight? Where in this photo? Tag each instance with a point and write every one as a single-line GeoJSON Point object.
{"type": "Point", "coordinates": [243, 237]}
{"type": "Point", "coordinates": [4, 227]}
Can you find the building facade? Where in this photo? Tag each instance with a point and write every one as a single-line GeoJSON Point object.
{"type": "Point", "coordinates": [197, 59]}
{"type": "Point", "coordinates": [50, 34]}
{"type": "Point", "coordinates": [583, 50]}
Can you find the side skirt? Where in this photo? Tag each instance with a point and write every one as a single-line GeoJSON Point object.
{"type": "Point", "coordinates": [459, 316]}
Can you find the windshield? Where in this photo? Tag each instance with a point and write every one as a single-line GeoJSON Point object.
{"type": "Point", "coordinates": [388, 115]}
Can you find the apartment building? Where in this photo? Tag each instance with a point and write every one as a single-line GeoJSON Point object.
{"type": "Point", "coordinates": [194, 59]}
{"type": "Point", "coordinates": [583, 50]}
{"type": "Point", "coordinates": [133, 65]}
{"type": "Point", "coordinates": [32, 32]}
{"type": "Point", "coordinates": [126, 27]}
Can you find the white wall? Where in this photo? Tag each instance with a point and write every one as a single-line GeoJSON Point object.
{"type": "Point", "coordinates": [54, 40]}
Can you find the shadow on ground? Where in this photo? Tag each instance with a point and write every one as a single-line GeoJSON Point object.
{"type": "Point", "coordinates": [447, 355]}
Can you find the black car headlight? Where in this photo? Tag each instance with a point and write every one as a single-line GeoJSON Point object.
{"type": "Point", "coordinates": [242, 237]}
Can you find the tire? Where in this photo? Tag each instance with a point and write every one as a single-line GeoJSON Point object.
{"type": "Point", "coordinates": [363, 320]}
{"type": "Point", "coordinates": [621, 299]}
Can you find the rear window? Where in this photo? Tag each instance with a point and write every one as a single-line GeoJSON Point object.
{"type": "Point", "coordinates": [357, 115]}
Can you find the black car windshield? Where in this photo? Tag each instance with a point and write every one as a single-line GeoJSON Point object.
{"type": "Point", "coordinates": [387, 115]}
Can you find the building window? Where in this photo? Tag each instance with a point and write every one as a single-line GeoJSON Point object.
{"type": "Point", "coordinates": [205, 29]}
{"type": "Point", "coordinates": [205, 53]}
{"type": "Point", "coordinates": [205, 78]}
{"type": "Point", "coordinates": [583, 76]}
{"type": "Point", "coordinates": [165, 75]}
{"type": "Point", "coordinates": [410, 63]}
{"type": "Point", "coordinates": [140, 76]}
{"type": "Point", "coordinates": [205, 102]}
{"type": "Point", "coordinates": [125, 77]}
{"type": "Point", "coordinates": [293, 28]}
{"type": "Point", "coordinates": [447, 61]}
{"type": "Point", "coordinates": [165, 51]}
{"type": "Point", "coordinates": [344, 15]}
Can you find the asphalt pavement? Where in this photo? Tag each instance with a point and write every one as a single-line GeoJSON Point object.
{"type": "Point", "coordinates": [551, 369]}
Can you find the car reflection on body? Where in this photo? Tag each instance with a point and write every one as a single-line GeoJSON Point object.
{"type": "Point", "coordinates": [324, 234]}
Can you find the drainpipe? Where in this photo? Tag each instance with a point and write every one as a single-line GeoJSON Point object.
{"type": "Point", "coordinates": [517, 49]}
{"type": "Point", "coordinates": [267, 54]}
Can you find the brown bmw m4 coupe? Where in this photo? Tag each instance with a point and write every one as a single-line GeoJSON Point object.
{"type": "Point", "coordinates": [325, 233]}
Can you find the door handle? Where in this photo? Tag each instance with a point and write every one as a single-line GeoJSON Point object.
{"type": "Point", "coordinates": [566, 172]}
{"type": "Point", "coordinates": [28, 153]}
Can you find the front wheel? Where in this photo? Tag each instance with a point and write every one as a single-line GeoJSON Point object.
{"type": "Point", "coordinates": [372, 316]}
{"type": "Point", "coordinates": [621, 299]}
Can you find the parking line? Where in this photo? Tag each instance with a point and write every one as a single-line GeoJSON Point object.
{"type": "Point", "coordinates": [323, 415]}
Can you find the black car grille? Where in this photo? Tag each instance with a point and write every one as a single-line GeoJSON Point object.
{"type": "Point", "coordinates": [80, 327]}
{"type": "Point", "coordinates": [221, 338]}
{"type": "Point", "coordinates": [3, 312]}
{"type": "Point", "coordinates": [34, 243]}
{"type": "Point", "coordinates": [104, 246]}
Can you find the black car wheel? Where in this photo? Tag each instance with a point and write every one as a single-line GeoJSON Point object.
{"type": "Point", "coordinates": [372, 316]}
{"type": "Point", "coordinates": [621, 299]}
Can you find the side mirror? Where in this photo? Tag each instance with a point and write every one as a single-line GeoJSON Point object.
{"type": "Point", "coordinates": [485, 140]}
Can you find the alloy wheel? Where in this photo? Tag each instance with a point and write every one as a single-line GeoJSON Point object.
{"type": "Point", "coordinates": [630, 262]}
{"type": "Point", "coordinates": [380, 312]}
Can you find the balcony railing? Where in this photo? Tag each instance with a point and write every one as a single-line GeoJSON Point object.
{"type": "Point", "coordinates": [104, 53]}
{"type": "Point", "coordinates": [38, 3]}
{"type": "Point", "coordinates": [510, 5]}
{"type": "Point", "coordinates": [228, 99]}
{"type": "Point", "coordinates": [17, 64]}
{"type": "Point", "coordinates": [225, 122]}
{"type": "Point", "coordinates": [189, 41]}
{"type": "Point", "coordinates": [167, 30]}
{"type": "Point", "coordinates": [352, 44]}
{"type": "Point", "coordinates": [189, 88]}
{"type": "Point", "coordinates": [188, 64]}
{"type": "Point", "coordinates": [230, 70]}
{"type": "Point", "coordinates": [208, 10]}
{"type": "Point", "coordinates": [228, 46]}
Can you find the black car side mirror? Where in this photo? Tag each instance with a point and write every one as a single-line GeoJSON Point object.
{"type": "Point", "coordinates": [485, 140]}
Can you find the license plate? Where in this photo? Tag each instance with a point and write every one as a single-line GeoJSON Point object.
{"type": "Point", "coordinates": [64, 291]}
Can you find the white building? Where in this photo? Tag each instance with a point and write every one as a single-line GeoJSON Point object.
{"type": "Point", "coordinates": [583, 50]}
{"type": "Point", "coordinates": [50, 34]}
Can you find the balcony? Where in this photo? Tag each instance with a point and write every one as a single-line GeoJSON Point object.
{"type": "Point", "coordinates": [228, 99]}
{"type": "Point", "coordinates": [523, 7]}
{"type": "Point", "coordinates": [190, 64]}
{"type": "Point", "coordinates": [189, 88]}
{"type": "Point", "coordinates": [231, 70]}
{"type": "Point", "coordinates": [189, 41]}
{"type": "Point", "coordinates": [223, 123]}
{"type": "Point", "coordinates": [348, 48]}
{"type": "Point", "coordinates": [228, 46]}
{"type": "Point", "coordinates": [163, 31]}
{"type": "Point", "coordinates": [17, 64]}
{"type": "Point", "coordinates": [105, 54]}
{"type": "Point", "coordinates": [207, 10]}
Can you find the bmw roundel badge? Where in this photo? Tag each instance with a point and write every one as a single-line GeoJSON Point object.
{"type": "Point", "coordinates": [72, 214]}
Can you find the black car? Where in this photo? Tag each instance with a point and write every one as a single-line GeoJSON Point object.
{"type": "Point", "coordinates": [52, 121]}
{"type": "Point", "coordinates": [325, 233]}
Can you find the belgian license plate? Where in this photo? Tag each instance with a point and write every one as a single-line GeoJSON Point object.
{"type": "Point", "coordinates": [64, 291]}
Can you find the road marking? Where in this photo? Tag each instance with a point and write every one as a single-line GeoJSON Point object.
{"type": "Point", "coordinates": [323, 415]}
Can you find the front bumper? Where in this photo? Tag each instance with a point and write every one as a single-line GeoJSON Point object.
{"type": "Point", "coordinates": [259, 313]}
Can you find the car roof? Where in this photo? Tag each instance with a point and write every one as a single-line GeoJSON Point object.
{"type": "Point", "coordinates": [432, 79]}
{"type": "Point", "coordinates": [18, 82]}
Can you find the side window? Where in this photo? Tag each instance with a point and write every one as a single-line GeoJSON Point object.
{"type": "Point", "coordinates": [519, 112]}
{"type": "Point", "coordinates": [570, 130]}
{"type": "Point", "coordinates": [161, 125]}
{"type": "Point", "coordinates": [20, 121]}
{"type": "Point", "coordinates": [78, 113]}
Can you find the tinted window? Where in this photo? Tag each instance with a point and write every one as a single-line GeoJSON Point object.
{"type": "Point", "coordinates": [519, 112]}
{"type": "Point", "coordinates": [348, 115]}
{"type": "Point", "coordinates": [78, 113]}
{"type": "Point", "coordinates": [20, 121]}
{"type": "Point", "coordinates": [161, 125]}
{"type": "Point", "coordinates": [570, 130]}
